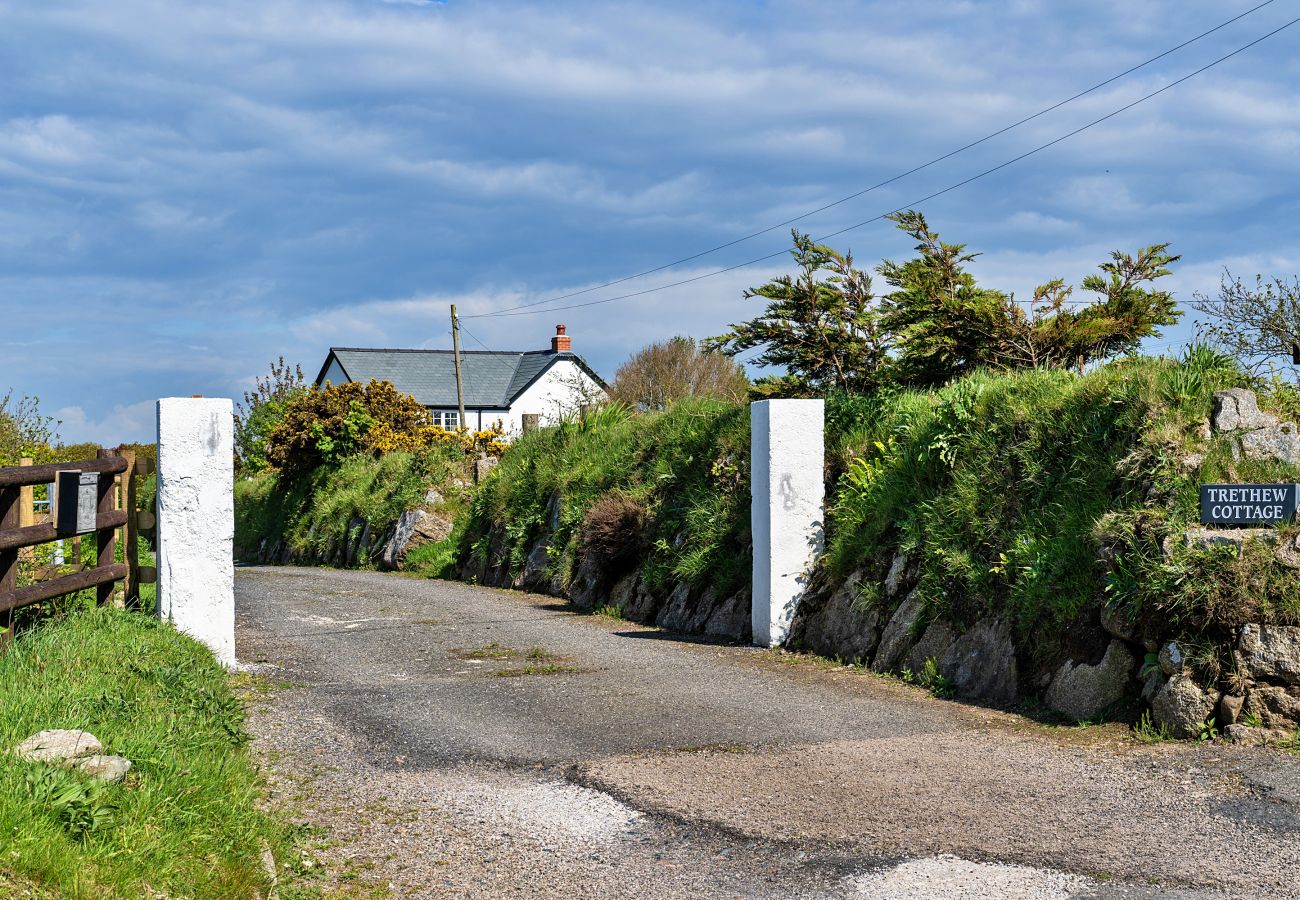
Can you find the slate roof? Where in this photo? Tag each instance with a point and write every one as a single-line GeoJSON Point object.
{"type": "Point", "coordinates": [492, 379]}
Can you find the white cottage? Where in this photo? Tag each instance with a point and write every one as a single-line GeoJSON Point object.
{"type": "Point", "coordinates": [499, 386]}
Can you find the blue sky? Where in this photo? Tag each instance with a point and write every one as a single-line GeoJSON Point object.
{"type": "Point", "coordinates": [189, 190]}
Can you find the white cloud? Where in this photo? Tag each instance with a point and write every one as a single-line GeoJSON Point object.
{"type": "Point", "coordinates": [121, 424]}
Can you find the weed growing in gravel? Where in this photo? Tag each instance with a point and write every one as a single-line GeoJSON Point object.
{"type": "Point", "coordinates": [548, 669]}
{"type": "Point", "coordinates": [1148, 732]}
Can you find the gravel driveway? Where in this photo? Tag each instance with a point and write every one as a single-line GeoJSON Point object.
{"type": "Point", "coordinates": [456, 741]}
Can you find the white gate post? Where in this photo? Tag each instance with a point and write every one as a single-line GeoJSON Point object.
{"type": "Point", "coordinates": [787, 453]}
{"type": "Point", "coordinates": [196, 520]}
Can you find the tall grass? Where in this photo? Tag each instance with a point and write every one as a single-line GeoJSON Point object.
{"type": "Point", "coordinates": [1005, 489]}
{"type": "Point", "coordinates": [312, 514]}
{"type": "Point", "coordinates": [687, 466]}
{"type": "Point", "coordinates": [185, 822]}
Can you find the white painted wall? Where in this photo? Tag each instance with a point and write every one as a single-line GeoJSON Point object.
{"type": "Point", "coordinates": [787, 457]}
{"type": "Point", "coordinates": [548, 395]}
{"type": "Point", "coordinates": [196, 520]}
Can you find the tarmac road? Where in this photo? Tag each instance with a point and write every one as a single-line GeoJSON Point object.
{"type": "Point", "coordinates": [459, 741]}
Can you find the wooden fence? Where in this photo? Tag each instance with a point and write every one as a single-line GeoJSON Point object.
{"type": "Point", "coordinates": [18, 529]}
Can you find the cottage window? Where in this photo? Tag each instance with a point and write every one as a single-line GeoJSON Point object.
{"type": "Point", "coordinates": [445, 418]}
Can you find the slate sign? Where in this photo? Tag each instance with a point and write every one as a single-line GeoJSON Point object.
{"type": "Point", "coordinates": [1248, 504]}
{"type": "Point", "coordinates": [78, 498]}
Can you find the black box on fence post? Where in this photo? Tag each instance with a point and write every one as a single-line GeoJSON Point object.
{"type": "Point", "coordinates": [78, 496]}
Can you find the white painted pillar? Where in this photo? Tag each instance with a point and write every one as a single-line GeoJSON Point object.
{"type": "Point", "coordinates": [787, 450]}
{"type": "Point", "coordinates": [196, 520]}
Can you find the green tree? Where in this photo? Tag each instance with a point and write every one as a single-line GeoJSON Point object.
{"type": "Point", "coordinates": [942, 324]}
{"type": "Point", "coordinates": [822, 326]}
{"type": "Point", "coordinates": [262, 410]}
{"type": "Point", "coordinates": [24, 431]}
{"type": "Point", "coordinates": [1054, 335]}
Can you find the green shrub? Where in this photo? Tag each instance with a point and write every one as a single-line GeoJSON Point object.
{"type": "Point", "coordinates": [313, 512]}
{"type": "Point", "coordinates": [678, 478]}
{"type": "Point", "coordinates": [1031, 494]}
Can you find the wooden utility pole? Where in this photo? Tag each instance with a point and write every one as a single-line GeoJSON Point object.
{"type": "Point", "coordinates": [455, 345]}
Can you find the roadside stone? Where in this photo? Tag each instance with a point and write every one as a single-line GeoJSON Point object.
{"type": "Point", "coordinates": [1204, 538]}
{"type": "Point", "coordinates": [935, 641]}
{"type": "Point", "coordinates": [415, 528]}
{"type": "Point", "coordinates": [643, 605]}
{"type": "Point", "coordinates": [58, 745]}
{"type": "Point", "coordinates": [1276, 707]}
{"type": "Point", "coordinates": [1289, 554]}
{"type": "Point", "coordinates": [699, 611]}
{"type": "Point", "coordinates": [1182, 706]}
{"type": "Point", "coordinates": [1083, 691]}
{"type": "Point", "coordinates": [1278, 442]}
{"type": "Point", "coordinates": [732, 619]}
{"type": "Point", "coordinates": [483, 467]}
{"type": "Point", "coordinates": [1171, 659]}
{"type": "Point", "coordinates": [533, 577]}
{"type": "Point", "coordinates": [982, 663]}
{"type": "Point", "coordinates": [106, 768]}
{"type": "Point", "coordinates": [674, 614]}
{"type": "Point", "coordinates": [1238, 409]}
{"type": "Point", "coordinates": [1255, 737]}
{"type": "Point", "coordinates": [1117, 624]}
{"type": "Point", "coordinates": [1270, 651]}
{"type": "Point", "coordinates": [844, 628]}
{"type": "Point", "coordinates": [1230, 707]}
{"type": "Point", "coordinates": [897, 572]}
{"type": "Point", "coordinates": [897, 636]}
{"type": "Point", "coordinates": [623, 592]}
{"type": "Point", "coordinates": [1151, 686]}
{"type": "Point", "coordinates": [1191, 463]}
{"type": "Point", "coordinates": [432, 497]}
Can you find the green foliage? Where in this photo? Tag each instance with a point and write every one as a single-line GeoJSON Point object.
{"type": "Point", "coordinates": [933, 680]}
{"type": "Point", "coordinates": [312, 513]}
{"type": "Point", "coordinates": [24, 430]}
{"type": "Point", "coordinates": [942, 324]}
{"type": "Point", "coordinates": [822, 326]}
{"type": "Point", "coordinates": [1011, 489]}
{"type": "Point", "coordinates": [1149, 732]}
{"type": "Point", "coordinates": [261, 411]}
{"type": "Point", "coordinates": [826, 328]}
{"type": "Point", "coordinates": [186, 821]}
{"type": "Point", "coordinates": [324, 425]}
{"type": "Point", "coordinates": [945, 326]}
{"type": "Point", "coordinates": [1126, 313]}
{"type": "Point", "coordinates": [1258, 326]}
{"type": "Point", "coordinates": [81, 805]}
{"type": "Point", "coordinates": [682, 473]}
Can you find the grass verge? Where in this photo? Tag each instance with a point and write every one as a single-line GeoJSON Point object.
{"type": "Point", "coordinates": [185, 822]}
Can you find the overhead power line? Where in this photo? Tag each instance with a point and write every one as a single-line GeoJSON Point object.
{"type": "Point", "coordinates": [888, 181]}
{"type": "Point", "coordinates": [525, 311]}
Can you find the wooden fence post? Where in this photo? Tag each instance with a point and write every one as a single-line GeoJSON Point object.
{"type": "Point", "coordinates": [8, 558]}
{"type": "Point", "coordinates": [26, 509]}
{"type": "Point", "coordinates": [130, 531]}
{"type": "Point", "coordinates": [105, 538]}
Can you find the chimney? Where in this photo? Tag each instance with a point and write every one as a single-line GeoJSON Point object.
{"type": "Point", "coordinates": [561, 343]}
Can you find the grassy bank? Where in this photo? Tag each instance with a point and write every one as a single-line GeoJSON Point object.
{"type": "Point", "coordinates": [668, 491]}
{"type": "Point", "coordinates": [185, 822]}
{"type": "Point", "coordinates": [1027, 496]}
{"type": "Point", "coordinates": [1030, 495]}
{"type": "Point", "coordinates": [312, 515]}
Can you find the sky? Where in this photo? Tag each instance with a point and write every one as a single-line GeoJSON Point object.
{"type": "Point", "coordinates": [190, 190]}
